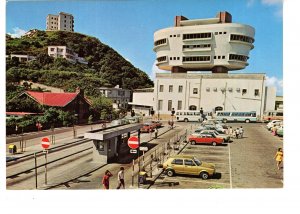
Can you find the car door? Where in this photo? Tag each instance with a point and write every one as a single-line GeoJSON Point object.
{"type": "Point", "coordinates": [190, 167]}
{"type": "Point", "coordinates": [177, 165]}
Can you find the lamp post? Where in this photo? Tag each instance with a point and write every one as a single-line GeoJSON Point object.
{"type": "Point", "coordinates": [172, 114]}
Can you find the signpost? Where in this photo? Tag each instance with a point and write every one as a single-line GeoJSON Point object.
{"type": "Point", "coordinates": [133, 142]}
{"type": "Point", "coordinates": [45, 144]}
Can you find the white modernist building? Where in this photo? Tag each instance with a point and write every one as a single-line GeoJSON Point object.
{"type": "Point", "coordinates": [231, 92]}
{"type": "Point", "coordinates": [65, 52]}
{"type": "Point", "coordinates": [214, 44]}
{"type": "Point", "coordinates": [62, 21]}
{"type": "Point", "coordinates": [142, 101]}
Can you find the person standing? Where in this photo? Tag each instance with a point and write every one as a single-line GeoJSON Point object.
{"type": "Point", "coordinates": [230, 132]}
{"type": "Point", "coordinates": [241, 132]}
{"type": "Point", "coordinates": [237, 133]}
{"type": "Point", "coordinates": [121, 178]}
{"type": "Point", "coordinates": [279, 157]}
{"type": "Point", "coordinates": [105, 179]}
{"type": "Point", "coordinates": [155, 132]}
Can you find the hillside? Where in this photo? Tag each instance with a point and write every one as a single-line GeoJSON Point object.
{"type": "Point", "coordinates": [105, 66]}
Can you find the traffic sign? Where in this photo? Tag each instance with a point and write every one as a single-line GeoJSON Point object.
{"type": "Point", "coordinates": [45, 143]}
{"type": "Point", "coordinates": [133, 151]}
{"type": "Point", "coordinates": [143, 148]}
{"type": "Point", "coordinates": [133, 142]}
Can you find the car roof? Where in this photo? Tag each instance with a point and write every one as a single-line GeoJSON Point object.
{"type": "Point", "coordinates": [182, 156]}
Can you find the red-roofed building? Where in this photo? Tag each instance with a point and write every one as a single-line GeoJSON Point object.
{"type": "Point", "coordinates": [73, 102]}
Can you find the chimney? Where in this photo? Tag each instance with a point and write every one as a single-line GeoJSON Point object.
{"type": "Point", "coordinates": [178, 19]}
{"type": "Point", "coordinates": [224, 17]}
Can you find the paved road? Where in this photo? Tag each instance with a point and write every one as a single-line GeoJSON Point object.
{"type": "Point", "coordinates": [243, 163]}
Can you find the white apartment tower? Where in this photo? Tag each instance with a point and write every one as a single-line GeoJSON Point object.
{"type": "Point", "coordinates": [62, 21]}
{"type": "Point", "coordinates": [213, 44]}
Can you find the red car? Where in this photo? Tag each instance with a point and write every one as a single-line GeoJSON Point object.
{"type": "Point", "coordinates": [205, 139]}
{"type": "Point", "coordinates": [157, 124]}
{"type": "Point", "coordinates": [148, 127]}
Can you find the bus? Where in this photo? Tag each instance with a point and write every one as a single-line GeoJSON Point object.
{"type": "Point", "coordinates": [273, 115]}
{"type": "Point", "coordinates": [236, 116]}
{"type": "Point", "coordinates": [191, 116]}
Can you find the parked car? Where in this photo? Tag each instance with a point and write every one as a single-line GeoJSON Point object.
{"type": "Point", "coordinates": [189, 165]}
{"type": "Point", "coordinates": [272, 123]}
{"type": "Point", "coordinates": [205, 139]}
{"type": "Point", "coordinates": [147, 127]}
{"type": "Point", "coordinates": [157, 123]}
{"type": "Point", "coordinates": [279, 131]}
{"type": "Point", "coordinates": [225, 137]}
{"type": "Point", "coordinates": [212, 127]}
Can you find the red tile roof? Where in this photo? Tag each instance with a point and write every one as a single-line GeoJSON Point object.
{"type": "Point", "coordinates": [52, 99]}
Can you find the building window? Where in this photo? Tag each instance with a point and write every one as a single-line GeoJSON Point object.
{"type": "Point", "coordinates": [195, 90]}
{"type": "Point", "coordinates": [244, 91]}
{"type": "Point", "coordinates": [224, 32]}
{"type": "Point", "coordinates": [179, 105]}
{"type": "Point", "coordinates": [180, 89]}
{"type": "Point", "coordinates": [219, 57]}
{"type": "Point", "coordinates": [215, 89]}
{"type": "Point", "coordinates": [160, 105]}
{"type": "Point", "coordinates": [160, 42]}
{"type": "Point", "coordinates": [223, 57]}
{"type": "Point", "coordinates": [170, 88]}
{"type": "Point", "coordinates": [230, 89]}
{"type": "Point", "coordinates": [192, 108]}
{"type": "Point", "coordinates": [216, 33]}
{"type": "Point", "coordinates": [196, 36]}
{"type": "Point", "coordinates": [52, 49]}
{"type": "Point", "coordinates": [208, 89]}
{"type": "Point", "coordinates": [235, 37]}
{"type": "Point", "coordinates": [238, 57]}
{"type": "Point", "coordinates": [195, 58]}
{"type": "Point", "coordinates": [215, 57]}
{"type": "Point", "coordinates": [170, 58]}
{"type": "Point", "coordinates": [161, 59]}
{"type": "Point", "coordinates": [256, 92]}
{"type": "Point", "coordinates": [169, 105]}
{"type": "Point", "coordinates": [178, 58]}
{"type": "Point", "coordinates": [161, 88]}
{"type": "Point", "coordinates": [238, 90]}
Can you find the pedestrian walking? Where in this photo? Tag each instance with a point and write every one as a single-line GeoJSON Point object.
{"type": "Point", "coordinates": [279, 157]}
{"type": "Point", "coordinates": [155, 132]}
{"type": "Point", "coordinates": [230, 132]}
{"type": "Point", "coordinates": [105, 179]}
{"type": "Point", "coordinates": [241, 132]}
{"type": "Point", "coordinates": [121, 178]}
{"type": "Point", "coordinates": [274, 130]}
{"type": "Point", "coordinates": [237, 133]}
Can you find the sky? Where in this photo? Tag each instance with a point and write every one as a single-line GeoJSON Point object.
{"type": "Point", "coordinates": [128, 26]}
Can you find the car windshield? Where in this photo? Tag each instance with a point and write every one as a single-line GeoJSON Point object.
{"type": "Point", "coordinates": [197, 161]}
{"type": "Point", "coordinates": [216, 133]}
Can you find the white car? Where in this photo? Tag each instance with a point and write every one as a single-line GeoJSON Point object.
{"type": "Point", "coordinates": [272, 123]}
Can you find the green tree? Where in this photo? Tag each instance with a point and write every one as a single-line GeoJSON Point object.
{"type": "Point", "coordinates": [102, 105]}
{"type": "Point", "coordinates": [51, 116]}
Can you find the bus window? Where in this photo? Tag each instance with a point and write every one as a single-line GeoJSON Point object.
{"type": "Point", "coordinates": [279, 114]}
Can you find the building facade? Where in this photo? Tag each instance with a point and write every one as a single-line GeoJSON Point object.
{"type": "Point", "coordinates": [22, 58]}
{"type": "Point", "coordinates": [62, 21]}
{"type": "Point", "coordinates": [231, 92]}
{"type": "Point", "coordinates": [65, 52]}
{"type": "Point", "coordinates": [142, 101]}
{"type": "Point", "coordinates": [119, 96]}
{"type": "Point", "coordinates": [214, 44]}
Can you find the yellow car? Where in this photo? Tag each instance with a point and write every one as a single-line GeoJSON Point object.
{"type": "Point", "coordinates": [190, 165]}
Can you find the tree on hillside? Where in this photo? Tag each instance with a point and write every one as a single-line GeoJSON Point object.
{"type": "Point", "coordinates": [103, 106]}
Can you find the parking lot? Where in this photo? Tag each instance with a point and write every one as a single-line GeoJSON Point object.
{"type": "Point", "coordinates": [243, 163]}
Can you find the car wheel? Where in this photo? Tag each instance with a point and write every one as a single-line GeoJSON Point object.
{"type": "Point", "coordinates": [224, 120]}
{"type": "Point", "coordinates": [204, 175]}
{"type": "Point", "coordinates": [214, 143]}
{"type": "Point", "coordinates": [193, 142]}
{"type": "Point", "coordinates": [247, 121]}
{"type": "Point", "coordinates": [170, 172]}
{"type": "Point", "coordinates": [186, 120]}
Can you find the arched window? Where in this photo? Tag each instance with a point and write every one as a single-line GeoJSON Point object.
{"type": "Point", "coordinates": [192, 107]}
{"type": "Point", "coordinates": [219, 108]}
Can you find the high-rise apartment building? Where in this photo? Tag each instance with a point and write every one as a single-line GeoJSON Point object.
{"type": "Point", "coordinates": [213, 44]}
{"type": "Point", "coordinates": [62, 21]}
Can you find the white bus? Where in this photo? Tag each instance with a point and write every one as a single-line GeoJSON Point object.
{"type": "Point", "coordinates": [273, 115]}
{"type": "Point", "coordinates": [188, 115]}
{"type": "Point", "coordinates": [236, 116]}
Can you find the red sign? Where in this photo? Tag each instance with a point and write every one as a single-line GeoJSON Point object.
{"type": "Point", "coordinates": [133, 142]}
{"type": "Point", "coordinates": [45, 143]}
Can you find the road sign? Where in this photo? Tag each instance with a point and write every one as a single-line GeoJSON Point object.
{"type": "Point", "coordinates": [133, 142]}
{"type": "Point", "coordinates": [45, 143]}
{"type": "Point", "coordinates": [143, 148]}
{"type": "Point", "coordinates": [133, 151]}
